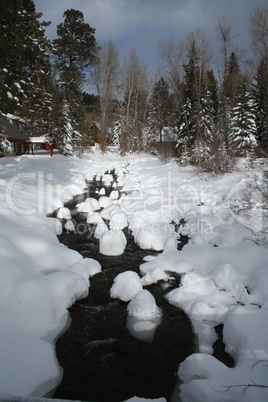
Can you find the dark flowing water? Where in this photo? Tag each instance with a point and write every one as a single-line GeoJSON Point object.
{"type": "Point", "coordinates": [102, 361]}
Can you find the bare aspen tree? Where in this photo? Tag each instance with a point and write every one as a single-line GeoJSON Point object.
{"type": "Point", "coordinates": [172, 58]}
{"type": "Point", "coordinates": [105, 75]}
{"type": "Point", "coordinates": [224, 30]}
{"type": "Point", "coordinates": [203, 59]}
{"type": "Point", "coordinates": [259, 38]}
{"type": "Point", "coordinates": [135, 82]}
{"type": "Point", "coordinates": [259, 30]}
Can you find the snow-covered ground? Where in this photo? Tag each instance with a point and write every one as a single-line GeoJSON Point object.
{"type": "Point", "coordinates": [224, 266]}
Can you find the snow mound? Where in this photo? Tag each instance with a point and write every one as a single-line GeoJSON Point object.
{"type": "Point", "coordinates": [114, 195]}
{"type": "Point", "coordinates": [90, 204]}
{"type": "Point", "coordinates": [87, 267]}
{"type": "Point", "coordinates": [154, 276]}
{"type": "Point", "coordinates": [69, 225]}
{"type": "Point", "coordinates": [19, 351]}
{"type": "Point", "coordinates": [126, 285]}
{"type": "Point", "coordinates": [153, 236]}
{"type": "Point", "coordinates": [94, 218]}
{"type": "Point", "coordinates": [64, 213]}
{"type": "Point", "coordinates": [143, 306]}
{"type": "Point", "coordinates": [118, 221]}
{"type": "Point", "coordinates": [107, 212]}
{"type": "Point", "coordinates": [104, 201]}
{"type": "Point", "coordinates": [100, 229]}
{"type": "Point", "coordinates": [113, 242]}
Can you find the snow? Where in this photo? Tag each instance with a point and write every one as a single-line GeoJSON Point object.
{"type": "Point", "coordinates": [143, 316]}
{"type": "Point", "coordinates": [38, 140]}
{"type": "Point", "coordinates": [64, 213]}
{"type": "Point", "coordinates": [143, 306]}
{"type": "Point", "coordinates": [112, 242]}
{"type": "Point", "coordinates": [89, 205]}
{"type": "Point", "coordinates": [104, 201]}
{"type": "Point", "coordinates": [118, 221]}
{"type": "Point", "coordinates": [223, 268]}
{"type": "Point", "coordinates": [126, 285]}
{"type": "Point", "coordinates": [137, 399]}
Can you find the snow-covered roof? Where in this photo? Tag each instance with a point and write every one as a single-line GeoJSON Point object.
{"type": "Point", "coordinates": [13, 127]}
{"type": "Point", "coordinates": [168, 134]}
{"type": "Point", "coordinates": [96, 124]}
{"type": "Point", "coordinates": [38, 140]}
{"type": "Point", "coordinates": [13, 117]}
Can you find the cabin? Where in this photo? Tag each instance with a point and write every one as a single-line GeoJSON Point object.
{"type": "Point", "coordinates": [96, 134]}
{"type": "Point", "coordinates": [14, 129]}
{"type": "Point", "coordinates": [95, 131]}
{"type": "Point", "coordinates": [167, 145]}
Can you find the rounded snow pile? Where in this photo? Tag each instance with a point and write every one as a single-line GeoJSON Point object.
{"type": "Point", "coordinates": [64, 213]}
{"type": "Point", "coordinates": [94, 218]}
{"type": "Point", "coordinates": [118, 221]}
{"type": "Point", "coordinates": [113, 242]}
{"type": "Point", "coordinates": [143, 306]}
{"type": "Point", "coordinates": [104, 201]}
{"type": "Point", "coordinates": [126, 285]}
{"type": "Point", "coordinates": [90, 204]}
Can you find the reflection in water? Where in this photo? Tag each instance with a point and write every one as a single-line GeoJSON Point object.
{"type": "Point", "coordinates": [143, 330]}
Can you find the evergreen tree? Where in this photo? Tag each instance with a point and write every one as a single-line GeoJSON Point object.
{"type": "Point", "coordinates": [200, 103]}
{"type": "Point", "coordinates": [160, 108]}
{"type": "Point", "coordinates": [243, 129]}
{"type": "Point", "coordinates": [67, 135]}
{"type": "Point", "coordinates": [261, 101]}
{"type": "Point", "coordinates": [189, 114]}
{"type": "Point", "coordinates": [208, 105]}
{"type": "Point", "coordinates": [24, 64]}
{"type": "Point", "coordinates": [232, 79]}
{"type": "Point", "coordinates": [212, 88]}
{"type": "Point", "coordinates": [75, 51]}
{"type": "Point", "coordinates": [228, 94]}
{"type": "Point", "coordinates": [207, 120]}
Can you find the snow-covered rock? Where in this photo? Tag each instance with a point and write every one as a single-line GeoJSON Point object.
{"type": "Point", "coordinates": [90, 204]}
{"type": "Point", "coordinates": [113, 242]}
{"type": "Point", "coordinates": [64, 213]}
{"type": "Point", "coordinates": [126, 285]}
{"type": "Point", "coordinates": [143, 306]}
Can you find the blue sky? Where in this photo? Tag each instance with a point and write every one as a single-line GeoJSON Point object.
{"type": "Point", "coordinates": [141, 24]}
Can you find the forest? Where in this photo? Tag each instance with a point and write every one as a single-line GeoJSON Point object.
{"type": "Point", "coordinates": [185, 108]}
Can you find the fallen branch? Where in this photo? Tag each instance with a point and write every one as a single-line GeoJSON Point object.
{"type": "Point", "coordinates": [244, 386]}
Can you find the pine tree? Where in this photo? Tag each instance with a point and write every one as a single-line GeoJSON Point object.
{"type": "Point", "coordinates": [232, 79]}
{"type": "Point", "coordinates": [207, 120]}
{"type": "Point", "coordinates": [228, 94]}
{"type": "Point", "coordinates": [67, 135]}
{"type": "Point", "coordinates": [261, 101]}
{"type": "Point", "coordinates": [212, 87]}
{"type": "Point", "coordinates": [200, 103]}
{"type": "Point", "coordinates": [160, 106]}
{"type": "Point", "coordinates": [189, 114]}
{"type": "Point", "coordinates": [24, 64]}
{"type": "Point", "coordinates": [75, 51]}
{"type": "Point", "coordinates": [243, 129]}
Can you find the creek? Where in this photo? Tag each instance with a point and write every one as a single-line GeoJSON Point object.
{"type": "Point", "coordinates": [101, 360]}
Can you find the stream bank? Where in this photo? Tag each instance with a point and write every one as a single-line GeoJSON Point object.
{"type": "Point", "coordinates": [101, 360]}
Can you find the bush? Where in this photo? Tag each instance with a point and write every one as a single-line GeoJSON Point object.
{"type": "Point", "coordinates": [210, 156]}
{"type": "Point", "coordinates": [5, 145]}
